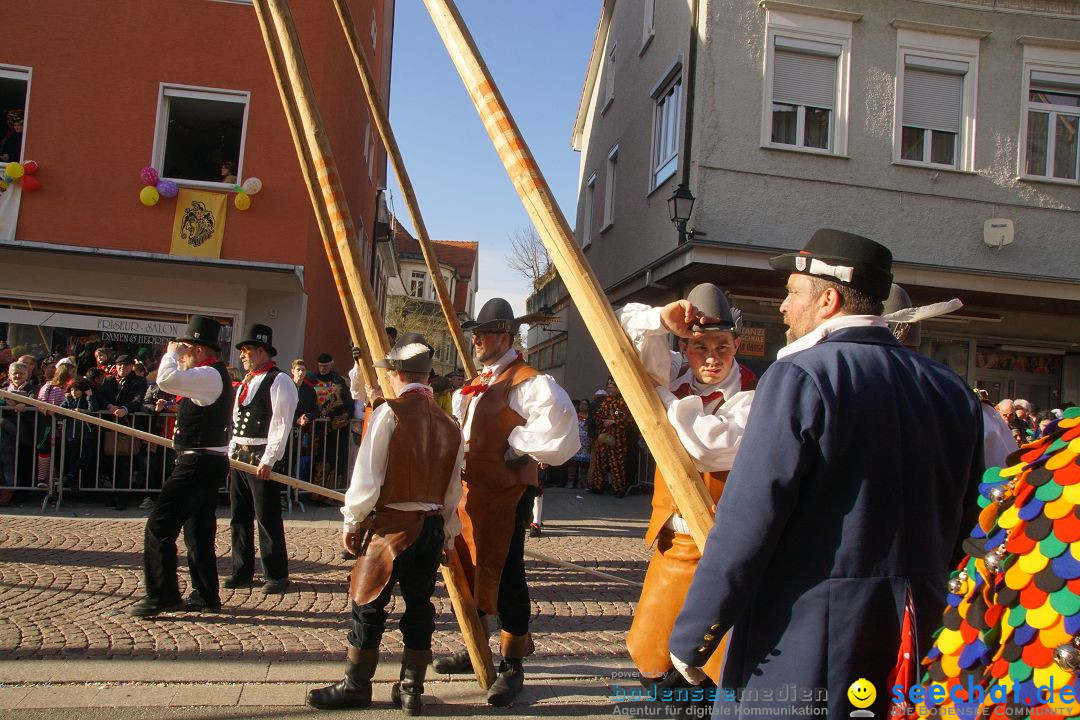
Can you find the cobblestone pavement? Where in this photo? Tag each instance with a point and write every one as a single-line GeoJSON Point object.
{"type": "Point", "coordinates": [66, 579]}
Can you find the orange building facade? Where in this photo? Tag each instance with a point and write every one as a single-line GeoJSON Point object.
{"type": "Point", "coordinates": [104, 89]}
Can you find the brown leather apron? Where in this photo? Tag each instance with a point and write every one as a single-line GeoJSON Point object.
{"type": "Point", "coordinates": [389, 532]}
{"type": "Point", "coordinates": [487, 526]}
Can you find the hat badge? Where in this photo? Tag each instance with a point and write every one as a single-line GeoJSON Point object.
{"type": "Point", "coordinates": [800, 264]}
{"type": "Point", "coordinates": [196, 335]}
{"type": "Point", "coordinates": [261, 337]}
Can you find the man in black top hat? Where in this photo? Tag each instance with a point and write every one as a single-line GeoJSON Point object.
{"type": "Point", "coordinates": [833, 536]}
{"type": "Point", "coordinates": [190, 369]}
{"type": "Point", "coordinates": [262, 419]}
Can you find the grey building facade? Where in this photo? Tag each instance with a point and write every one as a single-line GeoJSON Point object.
{"type": "Point", "coordinates": [945, 129]}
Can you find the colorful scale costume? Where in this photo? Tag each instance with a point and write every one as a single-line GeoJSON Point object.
{"type": "Point", "coordinates": [1012, 623]}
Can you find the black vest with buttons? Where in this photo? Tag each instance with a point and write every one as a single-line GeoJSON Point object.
{"type": "Point", "coordinates": [205, 427]}
{"type": "Point", "coordinates": [253, 420]}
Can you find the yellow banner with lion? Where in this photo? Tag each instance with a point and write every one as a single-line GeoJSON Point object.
{"type": "Point", "coordinates": [199, 225]}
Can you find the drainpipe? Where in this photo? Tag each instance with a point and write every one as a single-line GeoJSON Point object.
{"type": "Point", "coordinates": [691, 71]}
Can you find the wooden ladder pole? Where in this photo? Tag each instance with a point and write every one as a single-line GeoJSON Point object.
{"type": "Point", "coordinates": [675, 465]}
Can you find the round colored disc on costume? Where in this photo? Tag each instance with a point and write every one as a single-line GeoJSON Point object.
{"type": "Point", "coordinates": [1051, 675]}
{"type": "Point", "coordinates": [1059, 508]}
{"type": "Point", "coordinates": [1037, 655]}
{"type": "Point", "coordinates": [1066, 566]}
{"type": "Point", "coordinates": [950, 641]}
{"type": "Point", "coordinates": [994, 540]}
{"type": "Point", "coordinates": [1033, 562]}
{"type": "Point", "coordinates": [1032, 597]}
{"type": "Point", "coordinates": [1007, 597]}
{"type": "Point", "coordinates": [1072, 624]}
{"type": "Point", "coordinates": [1074, 550]}
{"type": "Point", "coordinates": [1068, 475]}
{"type": "Point", "coordinates": [951, 619]}
{"type": "Point", "coordinates": [1070, 492]}
{"type": "Point", "coordinates": [1074, 446]}
{"type": "Point", "coordinates": [1011, 652]}
{"type": "Point", "coordinates": [1055, 634]}
{"type": "Point", "coordinates": [1039, 528]}
{"type": "Point", "coordinates": [972, 655]}
{"type": "Point", "coordinates": [1048, 581]}
{"type": "Point", "coordinates": [1038, 477]}
{"type": "Point", "coordinates": [1051, 546]}
{"type": "Point", "coordinates": [1031, 509]}
{"type": "Point", "coordinates": [988, 516]}
{"type": "Point", "coordinates": [1061, 458]}
{"type": "Point", "coordinates": [1020, 544]}
{"type": "Point", "coordinates": [951, 665]}
{"type": "Point", "coordinates": [1047, 493]}
{"type": "Point", "coordinates": [1016, 577]}
{"type": "Point", "coordinates": [1009, 517]}
{"type": "Point", "coordinates": [1000, 668]}
{"type": "Point", "coordinates": [969, 633]}
{"type": "Point", "coordinates": [993, 615]}
{"type": "Point", "coordinates": [1019, 671]}
{"type": "Point", "coordinates": [1042, 617]}
{"type": "Point", "coordinates": [937, 672]}
{"type": "Point", "coordinates": [1024, 634]}
{"type": "Point", "coordinates": [1065, 602]}
{"type": "Point", "coordinates": [1067, 529]}
{"type": "Point", "coordinates": [1017, 613]}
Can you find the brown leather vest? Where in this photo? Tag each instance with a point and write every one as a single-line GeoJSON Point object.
{"type": "Point", "coordinates": [492, 421]}
{"type": "Point", "coordinates": [422, 452]}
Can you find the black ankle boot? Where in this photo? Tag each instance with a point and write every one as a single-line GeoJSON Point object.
{"type": "Point", "coordinates": [508, 684]}
{"type": "Point", "coordinates": [406, 693]}
{"type": "Point", "coordinates": [456, 663]}
{"type": "Point", "coordinates": [354, 691]}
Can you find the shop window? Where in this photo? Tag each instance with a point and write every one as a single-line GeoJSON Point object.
{"type": "Point", "coordinates": [200, 134]}
{"type": "Point", "coordinates": [14, 86]}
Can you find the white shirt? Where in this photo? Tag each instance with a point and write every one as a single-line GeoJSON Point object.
{"type": "Point", "coordinates": [831, 325]}
{"type": "Point", "coordinates": [369, 473]}
{"type": "Point", "coordinates": [359, 395]}
{"type": "Point", "coordinates": [201, 385]}
{"type": "Point", "coordinates": [283, 401]}
{"type": "Point", "coordinates": [550, 432]}
{"type": "Point", "coordinates": [710, 434]}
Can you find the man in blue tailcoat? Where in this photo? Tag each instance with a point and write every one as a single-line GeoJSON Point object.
{"type": "Point", "coordinates": [843, 506]}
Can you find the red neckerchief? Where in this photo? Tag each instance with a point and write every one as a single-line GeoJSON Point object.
{"type": "Point", "coordinates": [685, 390]}
{"type": "Point", "coordinates": [251, 376]}
{"type": "Point", "coordinates": [480, 383]}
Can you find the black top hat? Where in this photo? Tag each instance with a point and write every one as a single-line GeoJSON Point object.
{"type": "Point", "coordinates": [411, 353]}
{"type": "Point", "coordinates": [497, 316]}
{"type": "Point", "coordinates": [202, 331]}
{"type": "Point", "coordinates": [261, 335]}
{"type": "Point", "coordinates": [844, 258]}
{"type": "Point", "coordinates": [711, 303]}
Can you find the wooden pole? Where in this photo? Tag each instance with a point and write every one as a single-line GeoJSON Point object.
{"type": "Point", "coordinates": [49, 408]}
{"type": "Point", "coordinates": [382, 124]}
{"type": "Point", "coordinates": [675, 465]}
{"type": "Point", "coordinates": [307, 168]}
{"type": "Point", "coordinates": [279, 33]}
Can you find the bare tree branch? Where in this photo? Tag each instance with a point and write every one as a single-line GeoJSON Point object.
{"type": "Point", "coordinates": [528, 257]}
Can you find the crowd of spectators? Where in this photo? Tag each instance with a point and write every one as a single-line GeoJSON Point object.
{"type": "Point", "coordinates": [1027, 422]}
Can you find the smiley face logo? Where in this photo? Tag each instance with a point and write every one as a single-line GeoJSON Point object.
{"type": "Point", "coordinates": [862, 693]}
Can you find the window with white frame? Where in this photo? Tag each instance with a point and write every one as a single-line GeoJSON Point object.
{"type": "Point", "coordinates": [418, 284]}
{"type": "Point", "coordinates": [609, 188]}
{"type": "Point", "coordinates": [587, 212]}
{"type": "Point", "coordinates": [648, 28]}
{"type": "Point", "coordinates": [609, 77]}
{"type": "Point", "coordinates": [806, 82]}
{"type": "Point", "coordinates": [14, 89]}
{"type": "Point", "coordinates": [667, 124]}
{"type": "Point", "coordinates": [936, 82]}
{"type": "Point", "coordinates": [200, 133]}
{"type": "Point", "coordinates": [1053, 122]}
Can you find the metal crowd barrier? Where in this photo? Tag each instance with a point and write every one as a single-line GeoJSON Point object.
{"type": "Point", "coordinates": [57, 455]}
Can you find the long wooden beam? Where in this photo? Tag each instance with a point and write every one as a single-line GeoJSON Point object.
{"type": "Point", "coordinates": [382, 124]}
{"type": "Point", "coordinates": [675, 465]}
{"type": "Point", "coordinates": [279, 32]}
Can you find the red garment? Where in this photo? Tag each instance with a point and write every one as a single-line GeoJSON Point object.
{"type": "Point", "coordinates": [479, 384]}
{"type": "Point", "coordinates": [251, 376]}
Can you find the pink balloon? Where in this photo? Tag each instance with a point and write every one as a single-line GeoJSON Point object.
{"type": "Point", "coordinates": [149, 175]}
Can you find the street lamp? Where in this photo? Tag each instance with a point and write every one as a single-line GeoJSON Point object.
{"type": "Point", "coordinates": [680, 205]}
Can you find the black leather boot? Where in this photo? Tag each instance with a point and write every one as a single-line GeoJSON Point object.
{"type": "Point", "coordinates": [354, 691]}
{"type": "Point", "coordinates": [406, 693]}
{"type": "Point", "coordinates": [508, 684]}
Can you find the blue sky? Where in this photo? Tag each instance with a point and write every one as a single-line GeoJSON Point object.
{"type": "Point", "coordinates": [536, 50]}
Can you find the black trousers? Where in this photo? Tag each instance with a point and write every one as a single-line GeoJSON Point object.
{"type": "Point", "coordinates": [187, 502]}
{"type": "Point", "coordinates": [514, 605]}
{"type": "Point", "coordinates": [415, 570]}
{"type": "Point", "coordinates": [253, 500]}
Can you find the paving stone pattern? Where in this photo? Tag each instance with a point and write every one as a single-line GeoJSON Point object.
{"type": "Point", "coordinates": [65, 584]}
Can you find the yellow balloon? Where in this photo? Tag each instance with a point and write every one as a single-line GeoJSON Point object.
{"type": "Point", "coordinates": [14, 170]}
{"type": "Point", "coordinates": [242, 201]}
{"type": "Point", "coordinates": [149, 196]}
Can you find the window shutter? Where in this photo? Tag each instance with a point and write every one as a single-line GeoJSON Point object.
{"type": "Point", "coordinates": [932, 100]}
{"type": "Point", "coordinates": [804, 79]}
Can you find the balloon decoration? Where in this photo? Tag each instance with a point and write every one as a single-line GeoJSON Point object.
{"type": "Point", "coordinates": [155, 187]}
{"type": "Point", "coordinates": [22, 173]}
{"type": "Point", "coordinates": [167, 188]}
{"type": "Point", "coordinates": [149, 196]}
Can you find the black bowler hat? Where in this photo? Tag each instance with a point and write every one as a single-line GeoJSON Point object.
{"type": "Point", "coordinates": [411, 353]}
{"type": "Point", "coordinates": [711, 303]}
{"type": "Point", "coordinates": [202, 331]}
{"type": "Point", "coordinates": [260, 335]}
{"type": "Point", "coordinates": [844, 258]}
{"type": "Point", "coordinates": [497, 316]}
{"type": "Point", "coordinates": [324, 359]}
{"type": "Point", "coordinates": [124, 360]}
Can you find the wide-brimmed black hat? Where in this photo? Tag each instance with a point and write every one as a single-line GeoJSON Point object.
{"type": "Point", "coordinates": [202, 331]}
{"type": "Point", "coordinates": [411, 353]}
{"type": "Point", "coordinates": [712, 304]}
{"type": "Point", "coordinates": [261, 335]}
{"type": "Point", "coordinates": [497, 316]}
{"type": "Point", "coordinates": [844, 258]}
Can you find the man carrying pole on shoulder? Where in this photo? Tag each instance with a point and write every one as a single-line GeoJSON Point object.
{"type": "Point", "coordinates": [708, 403]}
{"type": "Point", "coordinates": [512, 417]}
{"type": "Point", "coordinates": [400, 515]}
